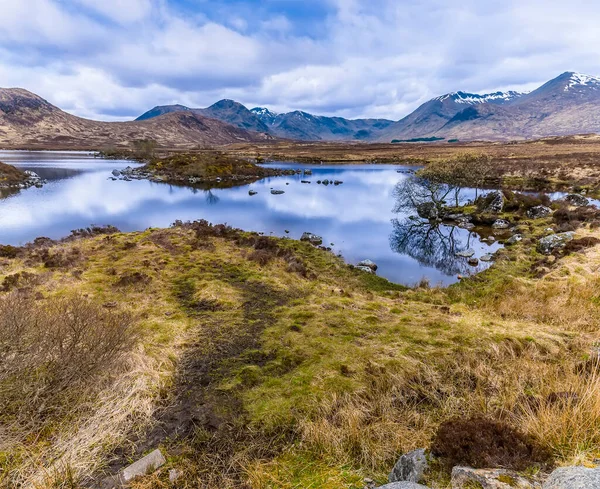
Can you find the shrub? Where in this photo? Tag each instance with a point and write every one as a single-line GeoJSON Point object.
{"type": "Point", "coordinates": [7, 251]}
{"type": "Point", "coordinates": [480, 442]}
{"type": "Point", "coordinates": [51, 350]}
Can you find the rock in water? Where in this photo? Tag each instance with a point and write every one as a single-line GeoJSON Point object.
{"type": "Point", "coordinates": [277, 192]}
{"type": "Point", "coordinates": [466, 477]}
{"type": "Point", "coordinates": [538, 212]}
{"type": "Point", "coordinates": [465, 254]}
{"type": "Point", "coordinates": [410, 467]}
{"type": "Point", "coordinates": [496, 202]}
{"type": "Point", "coordinates": [428, 210]}
{"type": "Point", "coordinates": [554, 242]}
{"type": "Point", "coordinates": [473, 261]}
{"type": "Point", "coordinates": [487, 257]}
{"type": "Point", "coordinates": [369, 264]}
{"type": "Point", "coordinates": [116, 173]}
{"type": "Point", "coordinates": [577, 200]}
{"type": "Point", "coordinates": [573, 478]}
{"type": "Point", "coordinates": [312, 239]}
{"type": "Point", "coordinates": [252, 192]}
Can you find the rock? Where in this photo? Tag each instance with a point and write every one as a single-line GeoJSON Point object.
{"type": "Point", "coordinates": [551, 259]}
{"type": "Point", "coordinates": [304, 181]}
{"type": "Point", "coordinates": [366, 269]}
{"type": "Point", "coordinates": [312, 239]}
{"type": "Point", "coordinates": [368, 263]}
{"type": "Point", "coordinates": [514, 240]}
{"type": "Point", "coordinates": [308, 172]}
{"type": "Point", "coordinates": [338, 182]}
{"type": "Point", "coordinates": [573, 478]}
{"type": "Point", "coordinates": [538, 212]}
{"type": "Point", "coordinates": [428, 210]}
{"type": "Point", "coordinates": [473, 261]}
{"type": "Point", "coordinates": [466, 477]}
{"type": "Point", "coordinates": [487, 257]}
{"type": "Point", "coordinates": [496, 202]}
{"type": "Point", "coordinates": [554, 242]}
{"type": "Point", "coordinates": [144, 466]}
{"type": "Point", "coordinates": [403, 485]}
{"type": "Point", "coordinates": [277, 192]}
{"type": "Point", "coordinates": [173, 475]}
{"type": "Point", "coordinates": [577, 200]}
{"type": "Point", "coordinates": [252, 192]}
{"type": "Point", "coordinates": [116, 173]}
{"type": "Point", "coordinates": [466, 225]}
{"type": "Point", "coordinates": [501, 224]}
{"type": "Point", "coordinates": [410, 467]}
{"type": "Point", "coordinates": [465, 254]}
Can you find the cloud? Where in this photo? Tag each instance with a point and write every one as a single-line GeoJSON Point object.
{"type": "Point", "coordinates": [370, 58]}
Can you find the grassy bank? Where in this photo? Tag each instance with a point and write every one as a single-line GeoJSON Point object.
{"type": "Point", "coordinates": [11, 176]}
{"type": "Point", "coordinates": [262, 362]}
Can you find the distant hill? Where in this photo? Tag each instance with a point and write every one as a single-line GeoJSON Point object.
{"type": "Point", "coordinates": [569, 104]}
{"type": "Point", "coordinates": [29, 121]}
{"type": "Point", "coordinates": [293, 125]}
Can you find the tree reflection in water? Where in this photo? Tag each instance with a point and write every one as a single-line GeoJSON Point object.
{"type": "Point", "coordinates": [431, 243]}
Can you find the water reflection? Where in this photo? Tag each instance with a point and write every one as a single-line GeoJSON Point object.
{"type": "Point", "coordinates": [356, 218]}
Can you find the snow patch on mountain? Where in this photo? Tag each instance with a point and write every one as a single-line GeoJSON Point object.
{"type": "Point", "coordinates": [579, 79]}
{"type": "Point", "coordinates": [474, 98]}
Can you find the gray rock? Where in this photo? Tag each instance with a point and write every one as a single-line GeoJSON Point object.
{"type": "Point", "coordinates": [554, 242]}
{"type": "Point", "coordinates": [144, 466]}
{"type": "Point", "coordinates": [496, 202]}
{"type": "Point", "coordinates": [466, 477]}
{"type": "Point", "coordinates": [487, 257]}
{"type": "Point", "coordinates": [428, 210]}
{"type": "Point", "coordinates": [514, 240]}
{"type": "Point", "coordinates": [577, 200]}
{"type": "Point", "coordinates": [366, 269]}
{"type": "Point", "coordinates": [466, 225]}
{"type": "Point", "coordinates": [277, 192]}
{"type": "Point", "coordinates": [252, 192]}
{"type": "Point", "coordinates": [173, 475]}
{"type": "Point", "coordinates": [501, 224]}
{"type": "Point", "coordinates": [116, 173]}
{"type": "Point", "coordinates": [573, 478]}
{"type": "Point", "coordinates": [465, 254]}
{"type": "Point", "coordinates": [538, 212]}
{"type": "Point", "coordinates": [410, 467]}
{"type": "Point", "coordinates": [312, 239]}
{"type": "Point", "coordinates": [403, 485]}
{"type": "Point", "coordinates": [368, 263]}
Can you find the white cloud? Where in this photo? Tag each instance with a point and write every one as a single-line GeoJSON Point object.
{"type": "Point", "coordinates": [371, 58]}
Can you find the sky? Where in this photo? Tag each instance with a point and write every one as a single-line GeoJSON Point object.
{"type": "Point", "coordinates": [115, 59]}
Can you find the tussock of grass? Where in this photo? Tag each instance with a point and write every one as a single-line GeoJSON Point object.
{"type": "Point", "coordinates": [315, 376]}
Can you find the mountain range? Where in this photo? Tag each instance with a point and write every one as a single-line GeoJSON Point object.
{"type": "Point", "coordinates": [29, 121]}
{"type": "Point", "coordinates": [566, 105]}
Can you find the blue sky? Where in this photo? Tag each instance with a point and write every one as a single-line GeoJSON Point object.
{"type": "Point", "coordinates": [114, 59]}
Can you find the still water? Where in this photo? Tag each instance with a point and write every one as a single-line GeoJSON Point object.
{"type": "Point", "coordinates": [358, 219]}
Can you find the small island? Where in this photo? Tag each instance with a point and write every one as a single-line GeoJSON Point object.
{"type": "Point", "coordinates": [210, 169]}
{"type": "Point", "coordinates": [13, 178]}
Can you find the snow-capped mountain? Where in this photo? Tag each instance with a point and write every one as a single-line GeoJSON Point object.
{"type": "Point", "coordinates": [474, 98]}
{"type": "Point", "coordinates": [265, 115]}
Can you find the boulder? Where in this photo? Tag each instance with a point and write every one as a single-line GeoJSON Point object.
{"type": "Point", "coordinates": [312, 239]}
{"type": "Point", "coordinates": [116, 173]}
{"type": "Point", "coordinates": [466, 478]}
{"type": "Point", "coordinates": [466, 253]}
{"type": "Point", "coordinates": [466, 225]}
{"type": "Point", "coordinates": [473, 261]}
{"type": "Point", "coordinates": [501, 224]}
{"type": "Point", "coordinates": [538, 212]}
{"type": "Point", "coordinates": [577, 200]}
{"type": "Point", "coordinates": [410, 467]}
{"type": "Point", "coordinates": [496, 202]}
{"type": "Point", "coordinates": [428, 210]}
{"type": "Point", "coordinates": [365, 269]}
{"type": "Point", "coordinates": [514, 240]}
{"type": "Point", "coordinates": [252, 192]}
{"type": "Point", "coordinates": [573, 478]}
{"type": "Point", "coordinates": [368, 263]}
{"type": "Point", "coordinates": [144, 466]}
{"type": "Point", "coordinates": [554, 242]}
{"type": "Point", "coordinates": [403, 485]}
{"type": "Point", "coordinates": [277, 192]}
{"type": "Point", "coordinates": [487, 257]}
